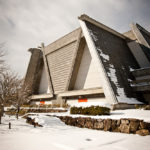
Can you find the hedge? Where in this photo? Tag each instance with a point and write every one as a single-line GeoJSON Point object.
{"type": "Point", "coordinates": [92, 110]}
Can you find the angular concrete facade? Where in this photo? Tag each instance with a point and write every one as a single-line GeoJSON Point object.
{"type": "Point", "coordinates": [93, 63]}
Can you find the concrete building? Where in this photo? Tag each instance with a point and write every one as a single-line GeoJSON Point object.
{"type": "Point", "coordinates": [93, 63]}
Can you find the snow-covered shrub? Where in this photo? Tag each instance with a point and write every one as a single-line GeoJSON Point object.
{"type": "Point", "coordinates": [92, 110]}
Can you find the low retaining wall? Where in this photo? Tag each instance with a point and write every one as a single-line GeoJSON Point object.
{"type": "Point", "coordinates": [34, 110]}
{"type": "Point", "coordinates": [124, 125]}
{"type": "Point", "coordinates": [44, 110]}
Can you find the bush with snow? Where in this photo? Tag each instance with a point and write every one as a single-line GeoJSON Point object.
{"type": "Point", "coordinates": [92, 110]}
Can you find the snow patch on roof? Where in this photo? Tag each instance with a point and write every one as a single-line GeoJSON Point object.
{"type": "Point", "coordinates": [105, 57]}
{"type": "Point", "coordinates": [122, 98]}
{"type": "Point", "coordinates": [112, 74]}
{"type": "Point", "coordinates": [131, 69]}
{"type": "Point", "coordinates": [93, 36]}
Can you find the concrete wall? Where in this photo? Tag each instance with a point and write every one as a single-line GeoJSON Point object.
{"type": "Point", "coordinates": [139, 54]}
{"type": "Point", "coordinates": [89, 100]}
{"type": "Point", "coordinates": [43, 86]}
{"type": "Point", "coordinates": [34, 70]}
{"type": "Point", "coordinates": [88, 76]}
{"type": "Point", "coordinates": [60, 63]}
{"type": "Point", "coordinates": [143, 38]}
{"type": "Point", "coordinates": [146, 36]}
{"type": "Point", "coordinates": [38, 103]}
{"type": "Point", "coordinates": [60, 57]}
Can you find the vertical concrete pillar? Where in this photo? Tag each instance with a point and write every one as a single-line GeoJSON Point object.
{"type": "Point", "coordinates": [32, 78]}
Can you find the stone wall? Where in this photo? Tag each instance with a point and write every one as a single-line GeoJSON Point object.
{"type": "Point", "coordinates": [44, 110]}
{"type": "Point", "coordinates": [124, 125]}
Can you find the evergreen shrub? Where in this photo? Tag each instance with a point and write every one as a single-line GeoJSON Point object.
{"type": "Point", "coordinates": [92, 110]}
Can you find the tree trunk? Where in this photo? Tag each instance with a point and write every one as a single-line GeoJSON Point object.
{"type": "Point", "coordinates": [17, 116]}
{"type": "Point", "coordinates": [2, 110]}
{"type": "Point", "coordinates": [18, 110]}
{"type": "Point", "coordinates": [9, 125]}
{"type": "Point", "coordinates": [0, 119]}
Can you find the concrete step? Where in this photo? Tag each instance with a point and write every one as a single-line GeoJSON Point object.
{"type": "Point", "coordinates": [140, 81]}
{"type": "Point", "coordinates": [142, 88]}
{"type": "Point", "coordinates": [141, 72]}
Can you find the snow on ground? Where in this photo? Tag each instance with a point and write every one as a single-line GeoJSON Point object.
{"type": "Point", "coordinates": [116, 114]}
{"type": "Point", "coordinates": [56, 108]}
{"type": "Point", "coordinates": [83, 104]}
{"type": "Point", "coordinates": [55, 135]}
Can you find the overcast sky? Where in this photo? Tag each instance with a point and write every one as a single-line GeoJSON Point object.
{"type": "Point", "coordinates": [25, 24]}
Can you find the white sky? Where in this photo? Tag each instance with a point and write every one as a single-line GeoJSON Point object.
{"type": "Point", "coordinates": [25, 24]}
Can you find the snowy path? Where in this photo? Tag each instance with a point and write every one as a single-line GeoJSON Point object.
{"type": "Point", "coordinates": [55, 135]}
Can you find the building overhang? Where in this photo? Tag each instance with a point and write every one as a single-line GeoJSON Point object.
{"type": "Point", "coordinates": [84, 17]}
{"type": "Point", "coordinates": [41, 96]}
{"type": "Point", "coordinates": [84, 92]}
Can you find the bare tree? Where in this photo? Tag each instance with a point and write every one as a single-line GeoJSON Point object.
{"type": "Point", "coordinates": [13, 91]}
{"type": "Point", "coordinates": [8, 86]}
{"type": "Point", "coordinates": [12, 88]}
{"type": "Point", "coordinates": [22, 95]}
{"type": "Point", "coordinates": [2, 70]}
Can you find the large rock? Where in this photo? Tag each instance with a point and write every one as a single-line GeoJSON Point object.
{"type": "Point", "coordinates": [143, 125]}
{"type": "Point", "coordinates": [73, 121]}
{"type": "Point", "coordinates": [62, 118]}
{"type": "Point", "coordinates": [124, 121]}
{"type": "Point", "coordinates": [32, 122]}
{"type": "Point", "coordinates": [107, 125]}
{"type": "Point", "coordinates": [148, 126]}
{"type": "Point", "coordinates": [134, 125]}
{"type": "Point", "coordinates": [117, 129]}
{"type": "Point", "coordinates": [89, 123]}
{"type": "Point", "coordinates": [80, 122]}
{"type": "Point", "coordinates": [118, 122]}
{"type": "Point", "coordinates": [98, 124]}
{"type": "Point", "coordinates": [29, 120]}
{"type": "Point", "coordinates": [143, 132]}
{"type": "Point", "coordinates": [124, 128]}
{"type": "Point", "coordinates": [68, 120]}
{"type": "Point", "coordinates": [114, 126]}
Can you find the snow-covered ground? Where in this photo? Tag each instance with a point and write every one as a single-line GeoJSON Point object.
{"type": "Point", "coordinates": [55, 135]}
{"type": "Point", "coordinates": [116, 114]}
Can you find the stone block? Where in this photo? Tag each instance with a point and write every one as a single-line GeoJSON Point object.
{"type": "Point", "coordinates": [117, 129]}
{"type": "Point", "coordinates": [134, 125]}
{"type": "Point", "coordinates": [124, 128]}
{"type": "Point", "coordinates": [98, 124]}
{"type": "Point", "coordinates": [107, 125]}
{"type": "Point", "coordinates": [118, 122]}
{"type": "Point", "coordinates": [113, 125]}
{"type": "Point", "coordinates": [80, 122]}
{"type": "Point", "coordinates": [143, 125]}
{"type": "Point", "coordinates": [143, 132]}
{"type": "Point", "coordinates": [89, 123]}
{"type": "Point", "coordinates": [73, 121]}
{"type": "Point", "coordinates": [124, 121]}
